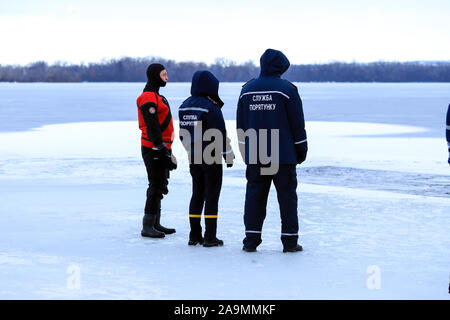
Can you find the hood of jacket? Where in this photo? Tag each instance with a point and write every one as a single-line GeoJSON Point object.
{"type": "Point", "coordinates": [273, 63]}
{"type": "Point", "coordinates": [205, 84]}
{"type": "Point", "coordinates": [154, 81]}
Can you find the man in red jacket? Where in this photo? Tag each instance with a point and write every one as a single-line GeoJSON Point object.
{"type": "Point", "coordinates": [156, 124]}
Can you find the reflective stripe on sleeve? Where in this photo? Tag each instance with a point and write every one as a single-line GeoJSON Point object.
{"type": "Point", "coordinates": [298, 142]}
{"type": "Point", "coordinates": [195, 109]}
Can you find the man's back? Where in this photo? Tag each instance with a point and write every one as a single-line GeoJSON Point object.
{"type": "Point", "coordinates": [199, 113]}
{"type": "Point", "coordinates": [268, 105]}
{"type": "Point", "coordinates": [270, 102]}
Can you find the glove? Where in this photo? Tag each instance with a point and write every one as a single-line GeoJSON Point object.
{"type": "Point", "coordinates": [229, 159]}
{"type": "Point", "coordinates": [301, 150]}
{"type": "Point", "coordinates": [173, 162]}
{"type": "Point", "coordinates": [166, 158]}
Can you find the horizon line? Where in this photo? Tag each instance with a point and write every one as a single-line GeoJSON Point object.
{"type": "Point", "coordinates": [226, 62]}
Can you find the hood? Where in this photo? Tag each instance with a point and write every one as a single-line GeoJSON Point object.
{"type": "Point", "coordinates": [154, 81]}
{"type": "Point", "coordinates": [205, 84]}
{"type": "Point", "coordinates": [273, 63]}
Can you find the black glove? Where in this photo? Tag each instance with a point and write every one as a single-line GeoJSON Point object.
{"type": "Point", "coordinates": [301, 150]}
{"type": "Point", "coordinates": [165, 157]}
{"type": "Point", "coordinates": [229, 159]}
{"type": "Point", "coordinates": [173, 162]}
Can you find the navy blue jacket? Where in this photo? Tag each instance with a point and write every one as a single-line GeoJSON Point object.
{"type": "Point", "coordinates": [448, 132]}
{"type": "Point", "coordinates": [203, 108]}
{"type": "Point", "coordinates": [270, 102]}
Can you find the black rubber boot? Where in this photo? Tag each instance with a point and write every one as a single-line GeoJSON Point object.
{"type": "Point", "coordinates": [255, 243]}
{"type": "Point", "coordinates": [213, 243]}
{"type": "Point", "coordinates": [148, 227]}
{"type": "Point", "coordinates": [160, 228]}
{"type": "Point", "coordinates": [295, 249]}
{"type": "Point", "coordinates": [210, 233]}
{"type": "Point", "coordinates": [195, 236]}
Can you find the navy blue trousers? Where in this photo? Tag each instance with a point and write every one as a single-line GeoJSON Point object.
{"type": "Point", "coordinates": [258, 187]}
{"type": "Point", "coordinates": [206, 186]}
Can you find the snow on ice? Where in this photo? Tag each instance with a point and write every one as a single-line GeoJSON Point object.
{"type": "Point", "coordinates": [373, 209]}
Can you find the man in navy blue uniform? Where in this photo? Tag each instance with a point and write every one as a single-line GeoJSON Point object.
{"type": "Point", "coordinates": [271, 107]}
{"type": "Point", "coordinates": [203, 134]}
{"type": "Point", "coordinates": [447, 132]}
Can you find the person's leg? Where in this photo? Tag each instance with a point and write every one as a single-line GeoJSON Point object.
{"type": "Point", "coordinates": [257, 191]}
{"type": "Point", "coordinates": [213, 185]}
{"type": "Point", "coordinates": [157, 186]}
{"type": "Point", "coordinates": [196, 204]}
{"type": "Point", "coordinates": [285, 182]}
{"type": "Point", "coordinates": [158, 225]}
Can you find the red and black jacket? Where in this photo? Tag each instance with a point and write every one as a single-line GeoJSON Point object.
{"type": "Point", "coordinates": [155, 120]}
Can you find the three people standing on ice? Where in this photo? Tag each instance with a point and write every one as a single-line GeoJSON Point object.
{"type": "Point", "coordinates": [270, 122]}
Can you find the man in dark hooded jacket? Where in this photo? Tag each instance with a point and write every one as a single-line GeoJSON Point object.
{"type": "Point", "coordinates": [271, 107]}
{"type": "Point", "coordinates": [202, 129]}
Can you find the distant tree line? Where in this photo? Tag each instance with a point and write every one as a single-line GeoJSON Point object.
{"type": "Point", "coordinates": [133, 70]}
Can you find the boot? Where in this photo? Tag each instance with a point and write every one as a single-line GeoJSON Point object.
{"type": "Point", "coordinates": [213, 243]}
{"type": "Point", "coordinates": [294, 249]}
{"type": "Point", "coordinates": [148, 227]}
{"type": "Point", "coordinates": [210, 233]}
{"type": "Point", "coordinates": [248, 249]}
{"type": "Point", "coordinates": [160, 228]}
{"type": "Point", "coordinates": [195, 236]}
{"type": "Point", "coordinates": [250, 244]}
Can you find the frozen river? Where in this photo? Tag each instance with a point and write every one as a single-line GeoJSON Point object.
{"type": "Point", "coordinates": [31, 105]}
{"type": "Point", "coordinates": [374, 200]}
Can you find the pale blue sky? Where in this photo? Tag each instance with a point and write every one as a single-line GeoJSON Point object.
{"type": "Point", "coordinates": [198, 30]}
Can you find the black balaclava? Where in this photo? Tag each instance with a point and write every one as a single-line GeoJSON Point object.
{"type": "Point", "coordinates": [154, 81]}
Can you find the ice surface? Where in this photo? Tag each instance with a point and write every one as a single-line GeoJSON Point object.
{"type": "Point", "coordinates": [417, 104]}
{"type": "Point", "coordinates": [73, 196]}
